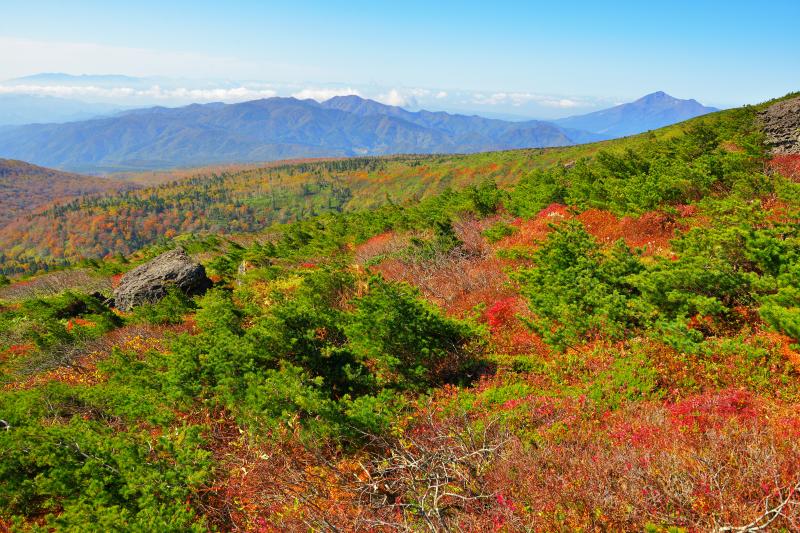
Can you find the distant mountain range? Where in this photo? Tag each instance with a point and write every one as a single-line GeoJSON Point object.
{"type": "Point", "coordinates": [16, 109]}
{"type": "Point", "coordinates": [281, 128]}
{"type": "Point", "coordinates": [264, 130]}
{"type": "Point", "coordinates": [650, 112]}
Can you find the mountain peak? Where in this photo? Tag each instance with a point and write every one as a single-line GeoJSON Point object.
{"type": "Point", "coordinates": [353, 103]}
{"type": "Point", "coordinates": [346, 98]}
{"type": "Point", "coordinates": [658, 96]}
{"type": "Point", "coordinates": [649, 112]}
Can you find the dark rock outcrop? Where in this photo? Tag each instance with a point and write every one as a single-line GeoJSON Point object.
{"type": "Point", "coordinates": [781, 124]}
{"type": "Point", "coordinates": [150, 282]}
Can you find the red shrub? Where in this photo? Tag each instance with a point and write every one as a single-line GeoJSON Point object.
{"type": "Point", "coordinates": [502, 312]}
{"type": "Point", "coordinates": [554, 211]}
{"type": "Point", "coordinates": [16, 350]}
{"type": "Point", "coordinates": [786, 164]}
{"type": "Point", "coordinates": [79, 322]}
{"type": "Point", "coordinates": [509, 333]}
{"type": "Point", "coordinates": [713, 409]}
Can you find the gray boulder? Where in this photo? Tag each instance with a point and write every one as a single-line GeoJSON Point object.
{"type": "Point", "coordinates": [781, 124]}
{"type": "Point", "coordinates": [149, 283]}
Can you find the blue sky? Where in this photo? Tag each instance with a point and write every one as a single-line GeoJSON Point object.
{"type": "Point", "coordinates": [527, 58]}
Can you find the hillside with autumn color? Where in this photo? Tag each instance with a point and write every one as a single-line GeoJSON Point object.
{"type": "Point", "coordinates": [26, 188]}
{"type": "Point", "coordinates": [592, 338]}
{"type": "Point", "coordinates": [233, 199]}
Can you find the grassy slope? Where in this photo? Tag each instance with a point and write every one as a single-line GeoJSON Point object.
{"type": "Point", "coordinates": [610, 434]}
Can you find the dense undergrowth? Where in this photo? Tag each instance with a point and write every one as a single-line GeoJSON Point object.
{"type": "Point", "coordinates": [609, 344]}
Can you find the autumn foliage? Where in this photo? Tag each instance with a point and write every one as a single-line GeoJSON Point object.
{"type": "Point", "coordinates": [465, 343]}
{"type": "Point", "coordinates": [786, 164]}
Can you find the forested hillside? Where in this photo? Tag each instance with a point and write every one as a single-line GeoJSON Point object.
{"type": "Point", "coordinates": [25, 188]}
{"type": "Point", "coordinates": [228, 200]}
{"type": "Point", "coordinates": [589, 338]}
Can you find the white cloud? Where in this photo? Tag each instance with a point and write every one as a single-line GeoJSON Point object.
{"type": "Point", "coordinates": [519, 98]}
{"type": "Point", "coordinates": [226, 95]}
{"type": "Point", "coordinates": [235, 94]}
{"type": "Point", "coordinates": [565, 103]}
{"type": "Point", "coordinates": [394, 97]}
{"type": "Point", "coordinates": [322, 94]}
{"type": "Point", "coordinates": [496, 98]}
{"type": "Point", "coordinates": [408, 97]}
{"type": "Point", "coordinates": [403, 97]}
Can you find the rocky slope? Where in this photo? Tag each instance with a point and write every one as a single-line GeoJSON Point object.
{"type": "Point", "coordinates": [781, 123]}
